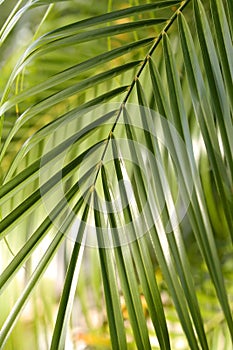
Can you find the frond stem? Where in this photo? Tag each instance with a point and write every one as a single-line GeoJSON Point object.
{"type": "Point", "coordinates": [144, 62]}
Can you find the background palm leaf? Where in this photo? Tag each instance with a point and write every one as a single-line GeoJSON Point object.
{"type": "Point", "coordinates": [116, 157]}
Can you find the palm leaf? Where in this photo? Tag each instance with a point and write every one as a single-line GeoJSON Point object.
{"type": "Point", "coordinates": [100, 118]}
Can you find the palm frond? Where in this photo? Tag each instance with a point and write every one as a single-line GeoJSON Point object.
{"type": "Point", "coordinates": [100, 122]}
